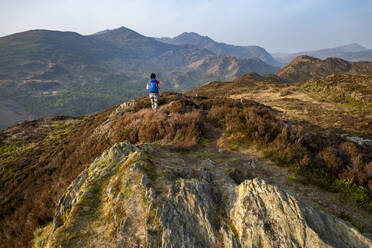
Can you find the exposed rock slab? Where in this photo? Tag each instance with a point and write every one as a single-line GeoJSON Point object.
{"type": "Point", "coordinates": [189, 216]}
{"type": "Point", "coordinates": [125, 200]}
{"type": "Point", "coordinates": [265, 216]}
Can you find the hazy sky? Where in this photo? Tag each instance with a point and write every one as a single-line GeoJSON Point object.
{"type": "Point", "coordinates": [277, 25]}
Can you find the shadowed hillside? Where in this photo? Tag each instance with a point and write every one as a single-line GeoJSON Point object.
{"type": "Point", "coordinates": [47, 73]}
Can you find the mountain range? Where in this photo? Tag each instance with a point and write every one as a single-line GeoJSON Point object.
{"type": "Point", "coordinates": [46, 72]}
{"type": "Point", "coordinates": [352, 52]}
{"type": "Point", "coordinates": [219, 48]}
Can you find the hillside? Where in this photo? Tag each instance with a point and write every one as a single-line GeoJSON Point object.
{"type": "Point", "coordinates": [46, 73]}
{"type": "Point", "coordinates": [334, 102]}
{"type": "Point", "coordinates": [352, 52]}
{"type": "Point", "coordinates": [305, 67]}
{"type": "Point", "coordinates": [221, 67]}
{"type": "Point", "coordinates": [222, 49]}
{"type": "Point", "coordinates": [203, 150]}
{"type": "Point", "coordinates": [359, 56]}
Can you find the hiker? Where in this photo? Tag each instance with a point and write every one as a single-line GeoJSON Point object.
{"type": "Point", "coordinates": [153, 87]}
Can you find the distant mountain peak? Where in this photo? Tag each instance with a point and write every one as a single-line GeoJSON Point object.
{"type": "Point", "coordinates": [122, 32]}
{"type": "Point", "coordinates": [353, 47]}
{"type": "Point", "coordinates": [190, 33]}
{"type": "Point", "coordinates": [125, 29]}
{"type": "Point", "coordinates": [193, 34]}
{"type": "Point", "coordinates": [219, 48]}
{"type": "Point", "coordinates": [192, 37]}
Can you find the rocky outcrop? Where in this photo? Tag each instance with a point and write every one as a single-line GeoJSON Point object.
{"type": "Point", "coordinates": [189, 216]}
{"type": "Point", "coordinates": [265, 216]}
{"type": "Point", "coordinates": [100, 168]}
{"type": "Point", "coordinates": [124, 199]}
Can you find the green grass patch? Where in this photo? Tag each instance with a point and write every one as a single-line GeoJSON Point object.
{"type": "Point", "coordinates": [292, 107]}
{"type": "Point", "coordinates": [8, 148]}
{"type": "Point", "coordinates": [58, 131]}
{"type": "Point", "coordinates": [233, 147]}
{"type": "Point", "coordinates": [204, 141]}
{"type": "Point", "coordinates": [292, 178]}
{"type": "Point", "coordinates": [64, 132]}
{"type": "Point", "coordinates": [57, 127]}
{"type": "Point", "coordinates": [321, 90]}
{"type": "Point", "coordinates": [144, 199]}
{"type": "Point", "coordinates": [41, 235]}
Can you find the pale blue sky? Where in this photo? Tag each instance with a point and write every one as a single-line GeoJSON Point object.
{"type": "Point", "coordinates": [277, 25]}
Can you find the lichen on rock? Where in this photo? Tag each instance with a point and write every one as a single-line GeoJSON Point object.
{"type": "Point", "coordinates": [124, 199]}
{"type": "Point", "coordinates": [265, 216]}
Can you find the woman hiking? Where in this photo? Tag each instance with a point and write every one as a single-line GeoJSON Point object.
{"type": "Point", "coordinates": [153, 87]}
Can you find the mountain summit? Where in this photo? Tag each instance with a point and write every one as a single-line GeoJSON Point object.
{"type": "Point", "coordinates": [219, 48]}
{"type": "Point", "coordinates": [120, 33]}
{"type": "Point", "coordinates": [192, 38]}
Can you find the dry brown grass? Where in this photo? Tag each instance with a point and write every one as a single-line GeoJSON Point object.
{"type": "Point", "coordinates": [320, 157]}
{"type": "Point", "coordinates": [44, 172]}
{"type": "Point", "coordinates": [173, 129]}
{"type": "Point", "coordinates": [338, 102]}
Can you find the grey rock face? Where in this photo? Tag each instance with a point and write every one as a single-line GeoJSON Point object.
{"type": "Point", "coordinates": [69, 197]}
{"type": "Point", "coordinates": [265, 216]}
{"type": "Point", "coordinates": [189, 216]}
{"type": "Point", "coordinates": [253, 214]}
{"type": "Point", "coordinates": [100, 168]}
{"type": "Point", "coordinates": [145, 180]}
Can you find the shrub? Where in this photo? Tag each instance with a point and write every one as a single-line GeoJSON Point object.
{"type": "Point", "coordinates": [357, 193]}
{"type": "Point", "coordinates": [179, 129]}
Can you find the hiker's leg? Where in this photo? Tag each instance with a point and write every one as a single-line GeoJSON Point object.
{"type": "Point", "coordinates": [156, 98]}
{"type": "Point", "coordinates": [152, 101]}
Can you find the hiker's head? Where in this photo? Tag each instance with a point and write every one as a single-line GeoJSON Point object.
{"type": "Point", "coordinates": [153, 75]}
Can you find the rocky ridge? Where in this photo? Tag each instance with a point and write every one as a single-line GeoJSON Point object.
{"type": "Point", "coordinates": [125, 199]}
{"type": "Point", "coordinates": [219, 48]}
{"type": "Point", "coordinates": [304, 67]}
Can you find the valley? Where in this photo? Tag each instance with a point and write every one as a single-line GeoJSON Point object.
{"type": "Point", "coordinates": [46, 73]}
